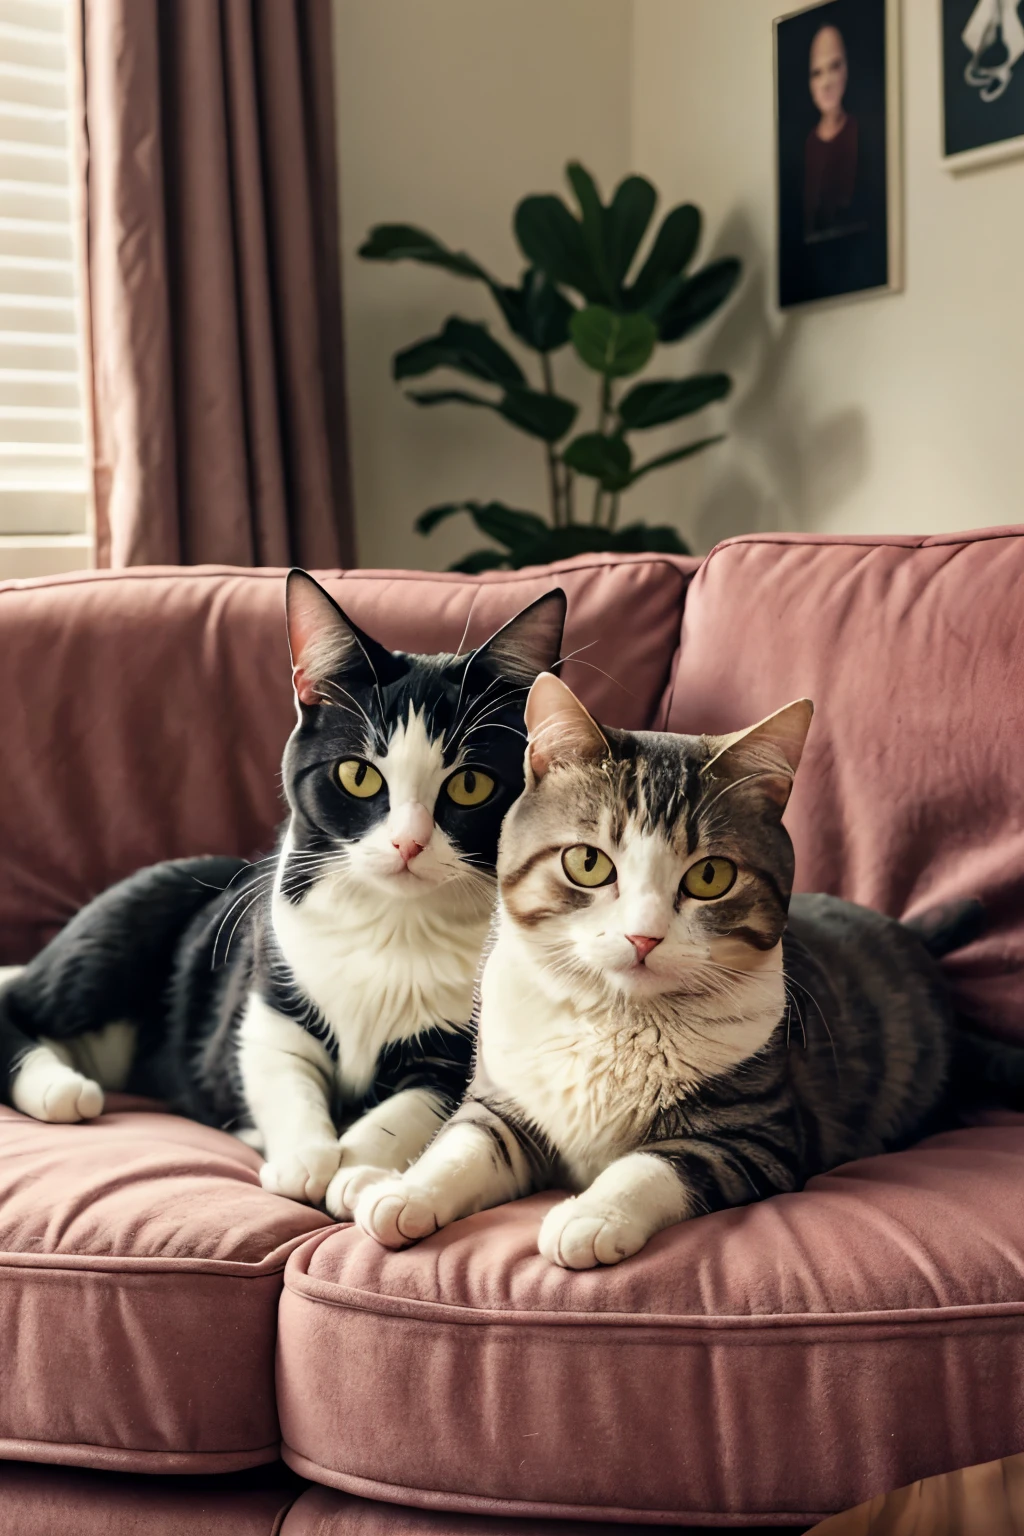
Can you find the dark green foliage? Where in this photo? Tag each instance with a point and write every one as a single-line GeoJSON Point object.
{"type": "Point", "coordinates": [462, 345]}
{"type": "Point", "coordinates": [698, 297]}
{"type": "Point", "coordinates": [528, 540]}
{"type": "Point", "coordinates": [545, 416]}
{"type": "Point", "coordinates": [537, 312]}
{"type": "Point", "coordinates": [576, 289]}
{"type": "Point", "coordinates": [601, 457]}
{"type": "Point", "coordinates": [670, 255]}
{"type": "Point", "coordinates": [662, 400]}
{"type": "Point", "coordinates": [612, 344]}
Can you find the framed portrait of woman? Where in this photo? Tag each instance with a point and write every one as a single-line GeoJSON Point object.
{"type": "Point", "coordinates": [838, 152]}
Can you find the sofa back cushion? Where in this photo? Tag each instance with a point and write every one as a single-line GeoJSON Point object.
{"type": "Point", "coordinates": [911, 790]}
{"type": "Point", "coordinates": [144, 711]}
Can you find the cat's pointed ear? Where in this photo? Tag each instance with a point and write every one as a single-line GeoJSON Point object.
{"type": "Point", "coordinates": [560, 730]}
{"type": "Point", "coordinates": [767, 754]}
{"type": "Point", "coordinates": [531, 642]}
{"type": "Point", "coordinates": [324, 642]}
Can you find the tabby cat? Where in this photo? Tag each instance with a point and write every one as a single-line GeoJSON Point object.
{"type": "Point", "coordinates": [329, 988]}
{"type": "Point", "coordinates": [661, 1030]}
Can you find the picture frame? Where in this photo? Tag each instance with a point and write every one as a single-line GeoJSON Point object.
{"type": "Point", "coordinates": [982, 82]}
{"type": "Point", "coordinates": [838, 152]}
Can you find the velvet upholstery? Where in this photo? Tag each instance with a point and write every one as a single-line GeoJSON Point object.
{"type": "Point", "coordinates": [910, 791]}
{"type": "Point", "coordinates": [140, 1270]}
{"type": "Point", "coordinates": [325, 1512]}
{"type": "Point", "coordinates": [52, 1501]}
{"type": "Point", "coordinates": [757, 1367]}
{"type": "Point", "coordinates": [772, 1363]}
{"type": "Point", "coordinates": [145, 711]}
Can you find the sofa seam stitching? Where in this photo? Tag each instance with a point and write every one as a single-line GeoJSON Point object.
{"type": "Point", "coordinates": [632, 1322]}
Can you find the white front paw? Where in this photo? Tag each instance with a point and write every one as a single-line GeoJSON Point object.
{"type": "Point", "coordinates": [347, 1185]}
{"type": "Point", "coordinates": [303, 1172]}
{"type": "Point", "coordinates": [396, 1212]}
{"type": "Point", "coordinates": [581, 1236]}
{"type": "Point", "coordinates": [47, 1089]}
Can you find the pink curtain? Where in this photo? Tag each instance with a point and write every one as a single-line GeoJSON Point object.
{"type": "Point", "coordinates": [212, 283]}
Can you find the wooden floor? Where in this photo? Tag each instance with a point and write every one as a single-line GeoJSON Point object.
{"type": "Point", "coordinates": [979, 1501]}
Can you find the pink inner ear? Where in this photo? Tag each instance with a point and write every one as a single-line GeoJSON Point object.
{"type": "Point", "coordinates": [305, 689]}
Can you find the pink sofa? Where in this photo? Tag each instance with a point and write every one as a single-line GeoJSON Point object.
{"type": "Point", "coordinates": [166, 1327]}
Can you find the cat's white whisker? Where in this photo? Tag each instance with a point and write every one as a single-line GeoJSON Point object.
{"type": "Point", "coordinates": [465, 629]}
{"type": "Point", "coordinates": [575, 655]}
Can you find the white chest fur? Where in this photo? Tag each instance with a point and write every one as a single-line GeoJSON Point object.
{"type": "Point", "coordinates": [593, 1078]}
{"type": "Point", "coordinates": [378, 970]}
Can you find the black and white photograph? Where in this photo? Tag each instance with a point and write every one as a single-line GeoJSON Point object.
{"type": "Point", "coordinates": [837, 150]}
{"type": "Point", "coordinates": [982, 81]}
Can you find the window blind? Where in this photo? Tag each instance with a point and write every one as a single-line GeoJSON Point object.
{"type": "Point", "coordinates": [43, 476]}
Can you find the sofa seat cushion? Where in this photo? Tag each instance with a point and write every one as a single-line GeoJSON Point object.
{"type": "Point", "coordinates": [140, 1270]}
{"type": "Point", "coordinates": [773, 1364]}
{"type": "Point", "coordinates": [46, 1501]}
{"type": "Point", "coordinates": [321, 1511]}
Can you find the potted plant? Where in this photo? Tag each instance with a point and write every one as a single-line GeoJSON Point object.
{"type": "Point", "coordinates": [576, 291]}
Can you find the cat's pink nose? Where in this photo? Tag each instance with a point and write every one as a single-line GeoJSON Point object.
{"type": "Point", "coordinates": [643, 944]}
{"type": "Point", "coordinates": [411, 826]}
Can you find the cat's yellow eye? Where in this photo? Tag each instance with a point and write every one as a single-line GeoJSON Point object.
{"type": "Point", "coordinates": [588, 866]}
{"type": "Point", "coordinates": [710, 879]}
{"type": "Point", "coordinates": [359, 779]}
{"type": "Point", "coordinates": [470, 787]}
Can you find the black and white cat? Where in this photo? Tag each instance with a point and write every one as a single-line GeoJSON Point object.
{"type": "Point", "coordinates": [329, 988]}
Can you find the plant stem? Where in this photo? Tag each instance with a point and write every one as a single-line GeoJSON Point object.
{"type": "Point", "coordinates": [553, 487]}
{"type": "Point", "coordinates": [558, 517]}
{"type": "Point", "coordinates": [570, 483]}
{"type": "Point", "coordinates": [606, 403]}
{"type": "Point", "coordinates": [602, 421]}
{"type": "Point", "coordinates": [613, 510]}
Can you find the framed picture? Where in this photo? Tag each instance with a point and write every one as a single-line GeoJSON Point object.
{"type": "Point", "coordinates": [982, 81]}
{"type": "Point", "coordinates": [838, 151]}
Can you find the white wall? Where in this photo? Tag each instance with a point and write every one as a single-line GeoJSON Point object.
{"type": "Point", "coordinates": [449, 111]}
{"type": "Point", "coordinates": [901, 413]}
{"type": "Point", "coordinates": [897, 413]}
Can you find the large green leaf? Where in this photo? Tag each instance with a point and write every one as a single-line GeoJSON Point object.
{"type": "Point", "coordinates": [593, 215]}
{"type": "Point", "coordinates": [657, 401]}
{"type": "Point", "coordinates": [480, 560]}
{"type": "Point", "coordinates": [551, 239]}
{"type": "Point", "coordinates": [464, 345]}
{"type": "Point", "coordinates": [451, 397]}
{"type": "Point", "coordinates": [506, 525]}
{"type": "Point", "coordinates": [537, 311]}
{"type": "Point", "coordinates": [563, 543]}
{"type": "Point", "coordinates": [698, 298]}
{"type": "Point", "coordinates": [600, 457]}
{"type": "Point", "coordinates": [626, 221]}
{"type": "Point", "coordinates": [636, 538]}
{"type": "Point", "coordinates": [671, 253]}
{"type": "Point", "coordinates": [585, 538]}
{"type": "Point", "coordinates": [612, 344]}
{"type": "Point", "coordinates": [404, 242]}
{"type": "Point", "coordinates": [675, 456]}
{"type": "Point", "coordinates": [545, 416]}
{"type": "Point", "coordinates": [428, 520]}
